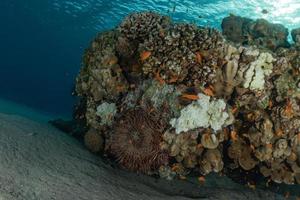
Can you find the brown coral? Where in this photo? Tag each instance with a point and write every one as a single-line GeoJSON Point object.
{"type": "Point", "coordinates": [183, 147]}
{"type": "Point", "coordinates": [138, 26]}
{"type": "Point", "coordinates": [135, 141]}
{"type": "Point", "coordinates": [93, 140]}
{"type": "Point", "coordinates": [211, 161]}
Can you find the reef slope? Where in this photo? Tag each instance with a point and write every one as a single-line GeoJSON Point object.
{"type": "Point", "coordinates": [39, 162]}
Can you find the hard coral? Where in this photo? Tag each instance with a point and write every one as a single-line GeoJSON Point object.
{"type": "Point", "coordinates": [211, 161]}
{"type": "Point", "coordinates": [213, 96]}
{"type": "Point", "coordinates": [135, 141]}
{"type": "Point", "coordinates": [183, 147]}
{"type": "Point", "coordinates": [138, 26]}
{"type": "Point", "coordinates": [202, 113]}
{"type": "Point", "coordinates": [94, 141]}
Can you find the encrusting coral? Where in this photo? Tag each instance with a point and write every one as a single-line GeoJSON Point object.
{"type": "Point", "coordinates": [94, 141]}
{"type": "Point", "coordinates": [173, 98]}
{"type": "Point", "coordinates": [201, 113]}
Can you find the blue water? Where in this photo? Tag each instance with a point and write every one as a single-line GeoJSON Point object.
{"type": "Point", "coordinates": [42, 41]}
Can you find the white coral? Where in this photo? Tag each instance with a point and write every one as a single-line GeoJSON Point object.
{"type": "Point", "coordinates": [201, 113]}
{"type": "Point", "coordinates": [107, 112]}
{"type": "Point", "coordinates": [257, 71]}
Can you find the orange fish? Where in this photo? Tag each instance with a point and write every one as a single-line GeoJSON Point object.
{"type": "Point", "coordinates": [270, 104]}
{"type": "Point", "coordinates": [209, 91]}
{"type": "Point", "coordinates": [269, 146]}
{"type": "Point", "coordinates": [198, 57]}
{"type": "Point", "coordinates": [175, 167]}
{"type": "Point", "coordinates": [173, 79]}
{"type": "Point", "coordinates": [201, 179]}
{"type": "Point", "coordinates": [113, 61]}
{"type": "Point", "coordinates": [289, 109]}
{"type": "Point", "coordinates": [279, 132]}
{"type": "Point", "coordinates": [159, 79]}
{"type": "Point", "coordinates": [144, 55]}
{"type": "Point", "coordinates": [234, 110]}
{"type": "Point", "coordinates": [120, 88]}
{"type": "Point", "coordinates": [298, 137]}
{"type": "Point", "coordinates": [233, 135]}
{"type": "Point", "coordinates": [190, 96]}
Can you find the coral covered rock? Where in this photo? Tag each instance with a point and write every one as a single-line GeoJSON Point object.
{"type": "Point", "coordinates": [260, 32]}
{"type": "Point", "coordinates": [296, 35]}
{"type": "Point", "coordinates": [174, 98]}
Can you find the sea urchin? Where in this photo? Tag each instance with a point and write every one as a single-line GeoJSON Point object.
{"type": "Point", "coordinates": [136, 141]}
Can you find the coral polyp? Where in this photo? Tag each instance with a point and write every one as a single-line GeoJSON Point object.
{"type": "Point", "coordinates": [135, 141]}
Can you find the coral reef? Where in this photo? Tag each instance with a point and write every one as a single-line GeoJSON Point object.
{"type": "Point", "coordinates": [296, 35]}
{"type": "Point", "coordinates": [175, 99]}
{"type": "Point", "coordinates": [260, 32]}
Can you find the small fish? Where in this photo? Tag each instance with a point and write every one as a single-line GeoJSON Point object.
{"type": "Point", "coordinates": [264, 11]}
{"type": "Point", "coordinates": [234, 110]}
{"type": "Point", "coordinates": [270, 104]}
{"type": "Point", "coordinates": [32, 134]}
{"type": "Point", "coordinates": [233, 136]}
{"type": "Point", "coordinates": [120, 88]}
{"type": "Point", "coordinates": [289, 109]}
{"type": "Point", "coordinates": [201, 179]}
{"type": "Point", "coordinates": [159, 79]}
{"type": "Point", "coordinates": [279, 132]}
{"type": "Point", "coordinates": [113, 61]}
{"type": "Point", "coordinates": [209, 91]}
{"type": "Point", "coordinates": [173, 79]}
{"type": "Point", "coordinates": [269, 146]}
{"type": "Point", "coordinates": [144, 55]}
{"type": "Point", "coordinates": [175, 168]}
{"type": "Point", "coordinates": [190, 96]}
{"type": "Point", "coordinates": [198, 57]}
{"type": "Point", "coordinates": [174, 8]}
